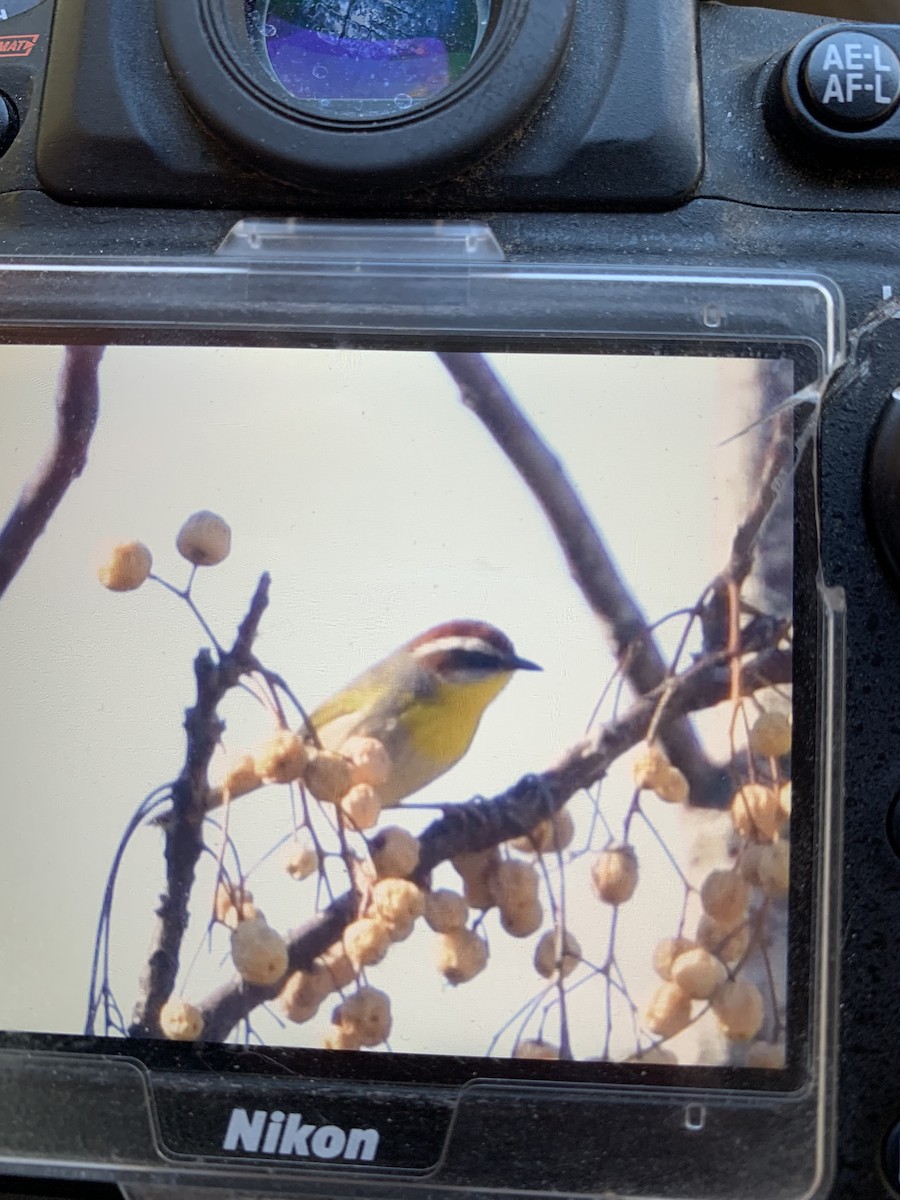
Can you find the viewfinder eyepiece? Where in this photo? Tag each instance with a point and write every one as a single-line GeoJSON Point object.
{"type": "Point", "coordinates": [359, 61]}
{"type": "Point", "coordinates": [386, 94]}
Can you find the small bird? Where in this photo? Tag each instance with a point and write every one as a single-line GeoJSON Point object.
{"type": "Point", "coordinates": [423, 702]}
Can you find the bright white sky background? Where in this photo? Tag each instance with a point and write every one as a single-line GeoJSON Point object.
{"type": "Point", "coordinates": [380, 506]}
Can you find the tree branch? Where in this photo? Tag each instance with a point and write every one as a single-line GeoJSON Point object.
{"type": "Point", "coordinates": [481, 824]}
{"type": "Point", "coordinates": [775, 471]}
{"type": "Point", "coordinates": [183, 825]}
{"type": "Point", "coordinates": [77, 405]}
{"type": "Point", "coordinates": [719, 617]}
{"type": "Point", "coordinates": [589, 561]}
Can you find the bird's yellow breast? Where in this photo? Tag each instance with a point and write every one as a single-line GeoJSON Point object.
{"type": "Point", "coordinates": [441, 726]}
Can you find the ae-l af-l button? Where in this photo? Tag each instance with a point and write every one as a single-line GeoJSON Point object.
{"type": "Point", "coordinates": [851, 80]}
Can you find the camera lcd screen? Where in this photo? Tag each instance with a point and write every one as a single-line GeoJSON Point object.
{"type": "Point", "coordinates": [280, 770]}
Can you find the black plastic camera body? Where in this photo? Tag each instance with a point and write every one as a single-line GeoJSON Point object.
{"type": "Point", "coordinates": [646, 137]}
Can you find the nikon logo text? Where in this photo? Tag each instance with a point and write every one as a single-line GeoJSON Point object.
{"type": "Point", "coordinates": [285, 1133]}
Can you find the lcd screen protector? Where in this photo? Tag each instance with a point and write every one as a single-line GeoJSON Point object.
{"type": "Point", "coordinates": [397, 703]}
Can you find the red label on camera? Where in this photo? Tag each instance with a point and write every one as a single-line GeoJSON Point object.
{"type": "Point", "coordinates": [19, 46]}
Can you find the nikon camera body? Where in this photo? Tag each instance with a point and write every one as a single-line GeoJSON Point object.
{"type": "Point", "coordinates": [565, 322]}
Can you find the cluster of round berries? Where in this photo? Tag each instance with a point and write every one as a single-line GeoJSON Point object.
{"type": "Point", "coordinates": [653, 772]}
{"type": "Point", "coordinates": [760, 812]}
{"type": "Point", "coordinates": [392, 905]}
{"type": "Point", "coordinates": [349, 780]}
{"type": "Point", "coordinates": [204, 540]}
{"type": "Point", "coordinates": [703, 968]}
{"type": "Point", "coordinates": [260, 953]}
{"type": "Point", "coordinates": [512, 887]}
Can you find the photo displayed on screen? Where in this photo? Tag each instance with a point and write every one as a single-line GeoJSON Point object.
{"type": "Point", "coordinates": [398, 702]}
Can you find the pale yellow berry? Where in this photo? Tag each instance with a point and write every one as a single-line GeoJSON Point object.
{"type": "Point", "coordinates": [475, 870]}
{"type": "Point", "coordinates": [748, 863]}
{"type": "Point", "coordinates": [337, 1037]}
{"type": "Point", "coordinates": [547, 959]}
{"type": "Point", "coordinates": [667, 951]}
{"type": "Point", "coordinates": [725, 896]}
{"type": "Point", "coordinates": [361, 806]}
{"type": "Point", "coordinates": [328, 776]}
{"type": "Point", "coordinates": [204, 539]}
{"type": "Point", "coordinates": [728, 944]}
{"type": "Point", "coordinates": [549, 836]}
{"type": "Point", "coordinates": [241, 777]}
{"type": "Point", "coordinates": [514, 884]}
{"type": "Point", "coordinates": [615, 874]}
{"type": "Point", "coordinates": [477, 893]}
{"type": "Point", "coordinates": [282, 758]}
{"type": "Point", "coordinates": [445, 910]}
{"type": "Point", "coordinates": [366, 1014]}
{"type": "Point", "coordinates": [784, 801]}
{"type": "Point", "coordinates": [180, 1021]}
{"type": "Point", "coordinates": [650, 767]}
{"type": "Point", "coordinates": [366, 942]}
{"type": "Point", "coordinates": [228, 896]}
{"type": "Point", "coordinates": [514, 888]}
{"type": "Point", "coordinates": [739, 1009]}
{"type": "Point", "coordinates": [660, 1055]}
{"type": "Point", "coordinates": [399, 931]}
{"type": "Point", "coordinates": [756, 812]}
{"type": "Point", "coordinates": [341, 970]}
{"type": "Point", "coordinates": [233, 904]}
{"type": "Point", "coordinates": [522, 920]}
{"type": "Point", "coordinates": [303, 993]}
{"type": "Point", "coordinates": [258, 952]}
{"type": "Point", "coordinates": [397, 904]}
{"type": "Point", "coordinates": [394, 852]}
{"type": "Point", "coordinates": [765, 1054]}
{"type": "Point", "coordinates": [370, 762]}
{"type": "Point", "coordinates": [672, 786]}
{"type": "Point", "coordinates": [301, 860]}
{"type": "Point", "coordinates": [536, 1048]}
{"type": "Point", "coordinates": [460, 955]}
{"type": "Point", "coordinates": [775, 869]}
{"type": "Point", "coordinates": [249, 912]}
{"type": "Point", "coordinates": [126, 568]}
{"type": "Point", "coordinates": [698, 973]}
{"type": "Point", "coordinates": [473, 864]}
{"type": "Point", "coordinates": [771, 735]}
{"type": "Point", "coordinates": [246, 912]}
{"type": "Point", "coordinates": [669, 1011]}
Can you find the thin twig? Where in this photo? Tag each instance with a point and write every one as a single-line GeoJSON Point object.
{"type": "Point", "coordinates": [721, 611]}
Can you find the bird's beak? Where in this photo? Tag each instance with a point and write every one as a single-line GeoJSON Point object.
{"type": "Point", "coordinates": [522, 664]}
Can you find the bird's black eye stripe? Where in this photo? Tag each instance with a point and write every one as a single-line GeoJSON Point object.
{"type": "Point", "coordinates": [471, 660]}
